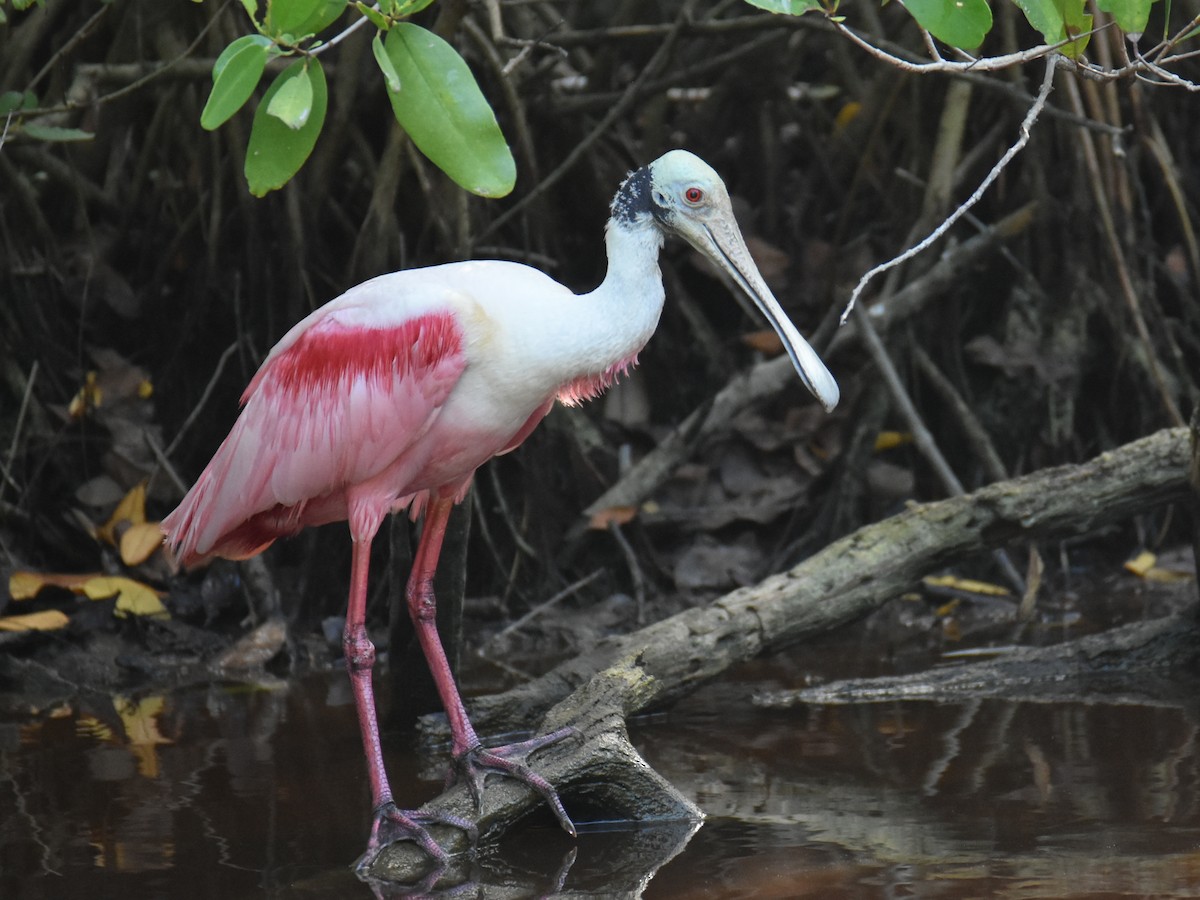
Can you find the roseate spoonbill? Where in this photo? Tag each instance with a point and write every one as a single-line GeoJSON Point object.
{"type": "Point", "coordinates": [392, 395]}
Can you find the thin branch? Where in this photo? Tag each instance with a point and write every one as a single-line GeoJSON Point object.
{"type": "Point", "coordinates": [542, 607]}
{"type": "Point", "coordinates": [984, 64]}
{"type": "Point", "coordinates": [937, 233]}
{"type": "Point", "coordinates": [84, 31]}
{"type": "Point", "coordinates": [6, 465]}
{"type": "Point", "coordinates": [208, 389]}
{"type": "Point", "coordinates": [341, 36]}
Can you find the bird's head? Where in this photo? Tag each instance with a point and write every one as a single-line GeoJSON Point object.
{"type": "Point", "coordinates": [686, 197]}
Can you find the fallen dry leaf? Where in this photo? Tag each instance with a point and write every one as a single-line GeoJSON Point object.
{"type": "Point", "coordinates": [968, 585]}
{"type": "Point", "coordinates": [613, 515]}
{"type": "Point", "coordinates": [46, 620]}
{"type": "Point", "coordinates": [1145, 566]}
{"type": "Point", "coordinates": [847, 114]}
{"type": "Point", "coordinates": [25, 585]}
{"type": "Point", "coordinates": [1141, 564]}
{"type": "Point", "coordinates": [887, 440]}
{"type": "Point", "coordinates": [133, 597]}
{"type": "Point", "coordinates": [89, 396]}
{"type": "Point", "coordinates": [131, 510]}
{"type": "Point", "coordinates": [139, 542]}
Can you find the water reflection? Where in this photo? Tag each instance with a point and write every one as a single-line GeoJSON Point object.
{"type": "Point", "coordinates": [243, 791]}
{"type": "Point", "coordinates": [941, 800]}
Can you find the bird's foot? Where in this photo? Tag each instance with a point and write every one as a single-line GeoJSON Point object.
{"type": "Point", "coordinates": [474, 764]}
{"type": "Point", "coordinates": [393, 824]}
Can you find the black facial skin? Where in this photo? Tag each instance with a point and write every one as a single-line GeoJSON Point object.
{"type": "Point", "coordinates": [635, 198]}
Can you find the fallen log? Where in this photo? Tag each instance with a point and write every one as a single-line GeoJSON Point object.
{"type": "Point", "coordinates": [1135, 664]}
{"type": "Point", "coordinates": [847, 580]}
{"type": "Point", "coordinates": [864, 570]}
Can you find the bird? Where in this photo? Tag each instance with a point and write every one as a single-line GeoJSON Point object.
{"type": "Point", "coordinates": [389, 397]}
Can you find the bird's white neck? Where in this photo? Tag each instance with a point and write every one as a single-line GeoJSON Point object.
{"type": "Point", "coordinates": [632, 249]}
{"type": "Point", "coordinates": [613, 322]}
{"type": "Point", "coordinates": [628, 302]}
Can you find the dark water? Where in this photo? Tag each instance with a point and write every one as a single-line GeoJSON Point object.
{"type": "Point", "coordinates": [248, 791]}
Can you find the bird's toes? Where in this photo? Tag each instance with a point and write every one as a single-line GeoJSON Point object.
{"type": "Point", "coordinates": [524, 748]}
{"type": "Point", "coordinates": [393, 824]}
{"type": "Point", "coordinates": [475, 764]}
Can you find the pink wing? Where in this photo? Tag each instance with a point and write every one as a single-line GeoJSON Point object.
{"type": "Point", "coordinates": [334, 405]}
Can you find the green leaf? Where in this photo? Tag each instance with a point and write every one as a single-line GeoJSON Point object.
{"type": "Point", "coordinates": [54, 133]}
{"type": "Point", "coordinates": [446, 115]}
{"type": "Point", "coordinates": [11, 102]}
{"type": "Point", "coordinates": [299, 18]}
{"type": "Point", "coordinates": [236, 47]}
{"type": "Point", "coordinates": [235, 82]}
{"type": "Point", "coordinates": [251, 7]}
{"type": "Point", "coordinates": [325, 14]}
{"type": "Point", "coordinates": [376, 18]}
{"type": "Point", "coordinates": [1130, 15]}
{"type": "Point", "coordinates": [959, 23]}
{"type": "Point", "coordinates": [385, 64]}
{"type": "Point", "coordinates": [1058, 20]}
{"type": "Point", "coordinates": [16, 102]}
{"type": "Point", "coordinates": [410, 7]}
{"type": "Point", "coordinates": [292, 103]}
{"type": "Point", "coordinates": [787, 7]}
{"type": "Point", "coordinates": [277, 152]}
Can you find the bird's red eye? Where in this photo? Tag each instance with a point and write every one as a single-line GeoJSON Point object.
{"type": "Point", "coordinates": [693, 195]}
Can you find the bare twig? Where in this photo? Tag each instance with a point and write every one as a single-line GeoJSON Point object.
{"type": "Point", "coordinates": [6, 465]}
{"type": "Point", "coordinates": [635, 571]}
{"type": "Point", "coordinates": [937, 233]}
{"type": "Point", "coordinates": [521, 622]}
{"type": "Point", "coordinates": [208, 389]}
{"type": "Point", "coordinates": [908, 410]}
{"type": "Point", "coordinates": [973, 430]}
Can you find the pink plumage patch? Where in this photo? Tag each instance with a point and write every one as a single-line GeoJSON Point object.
{"type": "Point", "coordinates": [334, 409]}
{"type": "Point", "coordinates": [330, 353]}
{"type": "Point", "coordinates": [588, 387]}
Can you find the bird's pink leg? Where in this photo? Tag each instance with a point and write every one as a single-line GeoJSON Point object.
{"type": "Point", "coordinates": [471, 758]}
{"type": "Point", "coordinates": [391, 823]}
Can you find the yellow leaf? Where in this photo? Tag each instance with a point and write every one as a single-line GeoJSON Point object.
{"type": "Point", "coordinates": [847, 114]}
{"type": "Point", "coordinates": [46, 620]}
{"type": "Point", "coordinates": [965, 584]}
{"type": "Point", "coordinates": [131, 509]}
{"type": "Point", "coordinates": [1141, 564]}
{"type": "Point", "coordinates": [1167, 576]}
{"type": "Point", "coordinates": [145, 389]}
{"type": "Point", "coordinates": [133, 597]}
{"type": "Point", "coordinates": [90, 726]}
{"type": "Point", "coordinates": [89, 397]}
{"type": "Point", "coordinates": [947, 608]}
{"type": "Point", "coordinates": [25, 585]}
{"type": "Point", "coordinates": [887, 440]}
{"type": "Point", "coordinates": [139, 542]}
